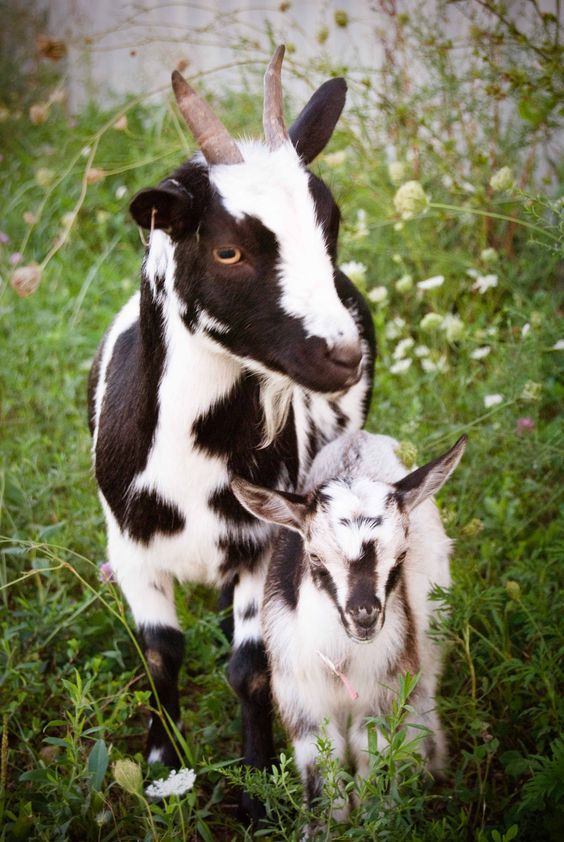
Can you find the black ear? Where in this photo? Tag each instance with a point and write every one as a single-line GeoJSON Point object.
{"type": "Point", "coordinates": [311, 131]}
{"type": "Point", "coordinates": [163, 207]}
{"type": "Point", "coordinates": [420, 484]}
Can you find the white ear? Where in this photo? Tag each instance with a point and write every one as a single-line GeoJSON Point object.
{"type": "Point", "coordinates": [278, 507]}
{"type": "Point", "coordinates": [420, 484]}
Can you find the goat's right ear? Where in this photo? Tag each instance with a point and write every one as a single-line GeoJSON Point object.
{"type": "Point", "coordinates": [163, 207]}
{"type": "Point", "coordinates": [278, 507]}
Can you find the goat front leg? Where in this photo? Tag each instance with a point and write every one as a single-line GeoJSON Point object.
{"type": "Point", "coordinates": [249, 677]}
{"type": "Point", "coordinates": [152, 604]}
{"type": "Point", "coordinates": [306, 754]}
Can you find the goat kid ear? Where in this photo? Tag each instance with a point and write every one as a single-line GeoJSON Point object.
{"type": "Point", "coordinates": [278, 507]}
{"type": "Point", "coordinates": [311, 131]}
{"type": "Point", "coordinates": [425, 481]}
{"type": "Point", "coordinates": [163, 207]}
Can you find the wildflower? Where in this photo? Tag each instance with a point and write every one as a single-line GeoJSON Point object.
{"type": "Point", "coordinates": [558, 345]}
{"type": "Point", "coordinates": [467, 187]}
{"type": "Point", "coordinates": [431, 283]}
{"type": "Point", "coordinates": [85, 151]}
{"type": "Point", "coordinates": [396, 172]}
{"type": "Point", "coordinates": [489, 255]}
{"type": "Point", "coordinates": [128, 775]}
{"type": "Point", "coordinates": [26, 279]}
{"type": "Point", "coordinates": [480, 353]}
{"type": "Point", "coordinates": [531, 391]}
{"type": "Point", "coordinates": [94, 175]}
{"type": "Point", "coordinates": [430, 322]}
{"type": "Point", "coordinates": [492, 400]}
{"type": "Point", "coordinates": [394, 328]}
{"type": "Point", "coordinates": [473, 527]}
{"type": "Point", "coordinates": [39, 113]}
{"type": "Point", "coordinates": [120, 191]}
{"type": "Point", "coordinates": [525, 330]}
{"type": "Point", "coordinates": [335, 159]}
{"type": "Point", "coordinates": [453, 327]}
{"type": "Point", "coordinates": [403, 346]}
{"type": "Point", "coordinates": [410, 200]}
{"type": "Point", "coordinates": [421, 351]}
{"type": "Point", "coordinates": [407, 452]}
{"type": "Point", "coordinates": [361, 228]}
{"type": "Point", "coordinates": [524, 425]}
{"type": "Point", "coordinates": [404, 284]}
{"type": "Point", "coordinates": [397, 258]}
{"type": "Point", "coordinates": [398, 226]}
{"type": "Point", "coordinates": [4, 237]}
{"type": "Point", "coordinates": [484, 282]}
{"type": "Point", "coordinates": [44, 177]}
{"type": "Point", "coordinates": [378, 294]}
{"type": "Point", "coordinates": [106, 573]}
{"type": "Point", "coordinates": [29, 217]}
{"type": "Point", "coordinates": [428, 365]}
{"type": "Point", "coordinates": [401, 366]}
{"type": "Point", "coordinates": [447, 182]}
{"type": "Point", "coordinates": [15, 258]}
{"type": "Point", "coordinates": [513, 589]}
{"type": "Point", "coordinates": [177, 783]}
{"type": "Point", "coordinates": [355, 270]}
{"type": "Point", "coordinates": [501, 180]}
{"type": "Point", "coordinates": [120, 124]}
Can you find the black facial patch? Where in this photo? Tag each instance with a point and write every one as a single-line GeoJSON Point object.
{"type": "Point", "coordinates": [362, 579]}
{"type": "Point", "coordinates": [393, 578]}
{"type": "Point", "coordinates": [327, 213]}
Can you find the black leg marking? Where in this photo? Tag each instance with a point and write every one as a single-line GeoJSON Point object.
{"type": "Point", "coordinates": [226, 606]}
{"type": "Point", "coordinates": [249, 677]}
{"type": "Point", "coordinates": [163, 648]}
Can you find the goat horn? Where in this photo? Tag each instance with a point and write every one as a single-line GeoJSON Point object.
{"type": "Point", "coordinates": [209, 132]}
{"type": "Point", "coordinates": [273, 112]}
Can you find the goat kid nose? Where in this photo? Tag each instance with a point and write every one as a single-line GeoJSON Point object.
{"type": "Point", "coordinates": [348, 355]}
{"type": "Point", "coordinates": [365, 615]}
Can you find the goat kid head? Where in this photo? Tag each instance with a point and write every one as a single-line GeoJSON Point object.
{"type": "Point", "coordinates": [355, 534]}
{"type": "Point", "coordinates": [244, 238]}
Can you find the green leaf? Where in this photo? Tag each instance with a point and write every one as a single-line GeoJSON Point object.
{"type": "Point", "coordinates": [97, 764]}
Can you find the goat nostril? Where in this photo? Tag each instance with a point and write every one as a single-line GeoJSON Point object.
{"type": "Point", "coordinates": [365, 616]}
{"type": "Point", "coordinates": [347, 355]}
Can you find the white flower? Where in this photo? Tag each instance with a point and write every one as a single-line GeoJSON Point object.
{"type": "Point", "coordinates": [85, 151]}
{"type": "Point", "coordinates": [394, 328]}
{"type": "Point", "coordinates": [378, 294]}
{"type": "Point", "coordinates": [396, 171]}
{"type": "Point", "coordinates": [473, 273]}
{"type": "Point", "coordinates": [411, 200]}
{"type": "Point", "coordinates": [480, 353]}
{"type": "Point", "coordinates": [558, 346]}
{"type": "Point", "coordinates": [421, 351]}
{"type": "Point", "coordinates": [525, 330]}
{"type": "Point", "coordinates": [469, 188]}
{"type": "Point", "coordinates": [431, 283]}
{"type": "Point", "coordinates": [447, 181]}
{"type": "Point", "coordinates": [177, 783]}
{"type": "Point", "coordinates": [484, 282]}
{"type": "Point", "coordinates": [453, 327]}
{"type": "Point", "coordinates": [489, 255]}
{"type": "Point", "coordinates": [120, 191]}
{"type": "Point", "coordinates": [434, 365]}
{"type": "Point", "coordinates": [430, 322]}
{"type": "Point", "coordinates": [501, 180]}
{"type": "Point", "coordinates": [404, 284]}
{"type": "Point", "coordinates": [355, 270]}
{"type": "Point", "coordinates": [403, 346]}
{"type": "Point", "coordinates": [361, 228]}
{"type": "Point", "coordinates": [492, 400]}
{"type": "Point", "coordinates": [400, 366]}
{"type": "Point", "coordinates": [335, 159]}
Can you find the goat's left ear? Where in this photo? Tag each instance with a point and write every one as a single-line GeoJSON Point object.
{"type": "Point", "coordinates": [278, 507]}
{"type": "Point", "coordinates": [420, 484]}
{"type": "Point", "coordinates": [165, 207]}
{"type": "Point", "coordinates": [311, 131]}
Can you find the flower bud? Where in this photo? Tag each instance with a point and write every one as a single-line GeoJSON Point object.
{"type": "Point", "coordinates": [411, 200]}
{"type": "Point", "coordinates": [404, 284]}
{"type": "Point", "coordinates": [407, 453]}
{"type": "Point", "coordinates": [513, 589]}
{"type": "Point", "coordinates": [128, 775]}
{"type": "Point", "coordinates": [26, 279]}
{"type": "Point", "coordinates": [501, 180]}
{"type": "Point", "coordinates": [39, 113]}
{"type": "Point", "coordinates": [431, 322]}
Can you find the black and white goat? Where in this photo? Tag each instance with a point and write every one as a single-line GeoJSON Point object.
{"type": "Point", "coordinates": [245, 351]}
{"type": "Point", "coordinates": [347, 609]}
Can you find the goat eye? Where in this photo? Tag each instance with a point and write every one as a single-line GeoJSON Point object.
{"type": "Point", "coordinates": [228, 255]}
{"type": "Point", "coordinates": [401, 557]}
{"type": "Point", "coordinates": [315, 558]}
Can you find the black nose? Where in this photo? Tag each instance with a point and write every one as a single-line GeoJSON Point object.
{"type": "Point", "coordinates": [365, 616]}
{"type": "Point", "coordinates": [347, 355]}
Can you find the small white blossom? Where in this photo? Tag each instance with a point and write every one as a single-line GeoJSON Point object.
{"type": "Point", "coordinates": [355, 270]}
{"type": "Point", "coordinates": [480, 353]}
{"type": "Point", "coordinates": [492, 400]}
{"type": "Point", "coordinates": [559, 345]}
{"type": "Point", "coordinates": [429, 365]}
{"type": "Point", "coordinates": [484, 282]}
{"type": "Point", "coordinates": [489, 255]}
{"type": "Point", "coordinates": [469, 188]}
{"type": "Point", "coordinates": [396, 171]}
{"type": "Point", "coordinates": [411, 200]}
{"type": "Point", "coordinates": [335, 159]}
{"type": "Point", "coordinates": [501, 180]}
{"type": "Point", "coordinates": [85, 151]}
{"type": "Point", "coordinates": [394, 328]}
{"type": "Point", "coordinates": [400, 366]}
{"type": "Point", "coordinates": [361, 227]}
{"type": "Point", "coordinates": [378, 294]}
{"type": "Point", "coordinates": [177, 783]}
{"type": "Point", "coordinates": [403, 346]}
{"type": "Point", "coordinates": [430, 322]}
{"type": "Point", "coordinates": [431, 283]}
{"type": "Point", "coordinates": [120, 191]}
{"type": "Point", "coordinates": [525, 330]}
{"type": "Point", "coordinates": [404, 284]}
{"type": "Point", "coordinates": [473, 273]}
{"type": "Point", "coordinates": [447, 181]}
{"type": "Point", "coordinates": [421, 351]}
{"type": "Point", "coordinates": [453, 327]}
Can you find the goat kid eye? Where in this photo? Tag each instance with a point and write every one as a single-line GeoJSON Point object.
{"type": "Point", "coordinates": [228, 255]}
{"type": "Point", "coordinates": [401, 557]}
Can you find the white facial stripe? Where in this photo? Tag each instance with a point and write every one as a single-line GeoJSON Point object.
{"type": "Point", "coordinates": [273, 186]}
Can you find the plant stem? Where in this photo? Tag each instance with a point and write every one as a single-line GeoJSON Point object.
{"type": "Point", "coordinates": [493, 215]}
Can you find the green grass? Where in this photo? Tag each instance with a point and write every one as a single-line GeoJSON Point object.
{"type": "Point", "coordinates": [74, 694]}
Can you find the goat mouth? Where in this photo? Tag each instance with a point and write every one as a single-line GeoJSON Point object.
{"type": "Point", "coordinates": [363, 635]}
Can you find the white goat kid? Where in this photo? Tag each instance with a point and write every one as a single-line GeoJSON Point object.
{"type": "Point", "coordinates": [347, 605]}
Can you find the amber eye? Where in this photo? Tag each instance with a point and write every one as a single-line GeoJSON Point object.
{"type": "Point", "coordinates": [228, 255]}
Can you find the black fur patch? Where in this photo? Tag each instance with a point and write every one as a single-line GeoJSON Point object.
{"type": "Point", "coordinates": [147, 514]}
{"type": "Point", "coordinates": [249, 676]}
{"type": "Point", "coordinates": [286, 569]}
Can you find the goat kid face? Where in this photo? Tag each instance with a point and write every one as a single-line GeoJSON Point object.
{"type": "Point", "coordinates": [254, 249]}
{"type": "Point", "coordinates": [355, 534]}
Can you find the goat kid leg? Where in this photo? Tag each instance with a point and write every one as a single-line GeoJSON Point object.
{"type": "Point", "coordinates": [152, 605]}
{"type": "Point", "coordinates": [249, 677]}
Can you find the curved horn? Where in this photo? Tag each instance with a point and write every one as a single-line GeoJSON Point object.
{"type": "Point", "coordinates": [209, 132]}
{"type": "Point", "coordinates": [273, 112]}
